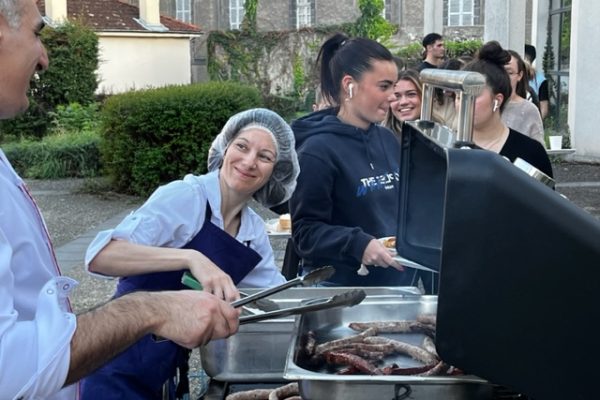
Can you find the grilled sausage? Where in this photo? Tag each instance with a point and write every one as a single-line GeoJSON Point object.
{"type": "Point", "coordinates": [415, 352]}
{"type": "Point", "coordinates": [327, 346]}
{"type": "Point", "coordinates": [284, 392]}
{"type": "Point", "coordinates": [256, 394]}
{"type": "Point", "coordinates": [352, 360]}
{"type": "Point", "coordinates": [383, 326]}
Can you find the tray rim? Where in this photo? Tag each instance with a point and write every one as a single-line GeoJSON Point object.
{"type": "Point", "coordinates": [294, 372]}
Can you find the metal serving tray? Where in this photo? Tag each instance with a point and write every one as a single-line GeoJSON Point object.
{"type": "Point", "coordinates": [333, 324]}
{"type": "Point", "coordinates": [257, 352]}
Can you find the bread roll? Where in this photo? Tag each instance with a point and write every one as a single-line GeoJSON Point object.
{"type": "Point", "coordinates": [285, 222]}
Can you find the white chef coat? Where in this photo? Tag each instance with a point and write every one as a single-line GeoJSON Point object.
{"type": "Point", "coordinates": [36, 325]}
{"type": "Point", "coordinates": [175, 213]}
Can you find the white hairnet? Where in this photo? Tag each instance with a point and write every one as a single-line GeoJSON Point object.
{"type": "Point", "coordinates": [282, 182]}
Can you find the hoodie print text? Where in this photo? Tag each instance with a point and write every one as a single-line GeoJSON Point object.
{"type": "Point", "coordinates": [377, 183]}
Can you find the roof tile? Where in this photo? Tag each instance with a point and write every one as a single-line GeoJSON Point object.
{"type": "Point", "coordinates": [115, 15]}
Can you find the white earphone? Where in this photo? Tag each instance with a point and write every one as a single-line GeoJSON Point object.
{"type": "Point", "coordinates": [350, 88]}
{"type": "Point", "coordinates": [495, 106]}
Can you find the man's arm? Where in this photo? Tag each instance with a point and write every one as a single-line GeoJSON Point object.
{"type": "Point", "coordinates": [188, 318]}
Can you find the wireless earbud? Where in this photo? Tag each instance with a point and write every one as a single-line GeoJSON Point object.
{"type": "Point", "coordinates": [495, 106]}
{"type": "Point", "coordinates": [350, 89]}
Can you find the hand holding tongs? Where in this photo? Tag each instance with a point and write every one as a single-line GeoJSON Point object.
{"type": "Point", "coordinates": [349, 298]}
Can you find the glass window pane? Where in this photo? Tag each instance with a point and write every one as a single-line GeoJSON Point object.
{"type": "Point", "coordinates": [565, 42]}
{"type": "Point", "coordinates": [453, 6]}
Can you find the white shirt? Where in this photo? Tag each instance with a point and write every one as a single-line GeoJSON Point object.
{"type": "Point", "coordinates": [175, 213]}
{"type": "Point", "coordinates": [36, 325]}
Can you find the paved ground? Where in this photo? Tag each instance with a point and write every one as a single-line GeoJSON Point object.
{"type": "Point", "coordinates": [74, 217]}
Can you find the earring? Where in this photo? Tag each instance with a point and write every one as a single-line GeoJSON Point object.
{"type": "Point", "coordinates": [350, 92]}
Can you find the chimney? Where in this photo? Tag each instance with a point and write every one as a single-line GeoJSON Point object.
{"type": "Point", "coordinates": [149, 12]}
{"type": "Point", "coordinates": [150, 15]}
{"type": "Point", "coordinates": [56, 11]}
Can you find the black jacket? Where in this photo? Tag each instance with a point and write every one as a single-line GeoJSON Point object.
{"type": "Point", "coordinates": [347, 194]}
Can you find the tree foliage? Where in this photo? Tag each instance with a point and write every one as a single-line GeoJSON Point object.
{"type": "Point", "coordinates": [370, 23]}
{"type": "Point", "coordinates": [70, 78]}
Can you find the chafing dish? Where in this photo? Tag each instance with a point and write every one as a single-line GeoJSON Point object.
{"type": "Point", "coordinates": [316, 384]}
{"type": "Point", "coordinates": [257, 352]}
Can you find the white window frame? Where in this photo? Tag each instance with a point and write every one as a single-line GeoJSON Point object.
{"type": "Point", "coordinates": [386, 4]}
{"type": "Point", "coordinates": [236, 13]}
{"type": "Point", "coordinates": [183, 10]}
{"type": "Point", "coordinates": [465, 13]}
{"type": "Point", "coordinates": [303, 13]}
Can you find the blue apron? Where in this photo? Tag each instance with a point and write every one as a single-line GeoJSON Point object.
{"type": "Point", "coordinates": [141, 371]}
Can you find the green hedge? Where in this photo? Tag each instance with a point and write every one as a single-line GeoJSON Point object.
{"type": "Point", "coordinates": [154, 136]}
{"type": "Point", "coordinates": [70, 78]}
{"type": "Point", "coordinates": [412, 54]}
{"type": "Point", "coordinates": [65, 155]}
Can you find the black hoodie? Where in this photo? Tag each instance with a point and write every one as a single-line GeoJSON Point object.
{"type": "Point", "coordinates": [347, 194]}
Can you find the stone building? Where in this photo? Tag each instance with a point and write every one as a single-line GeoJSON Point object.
{"type": "Point", "coordinates": [457, 18]}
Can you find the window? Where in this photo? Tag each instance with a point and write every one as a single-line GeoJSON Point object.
{"type": "Point", "coordinates": [183, 10]}
{"type": "Point", "coordinates": [386, 13]}
{"type": "Point", "coordinates": [303, 13]}
{"type": "Point", "coordinates": [555, 62]}
{"type": "Point", "coordinates": [236, 13]}
{"type": "Point", "coordinates": [460, 12]}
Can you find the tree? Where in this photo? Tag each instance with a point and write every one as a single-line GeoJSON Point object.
{"type": "Point", "coordinates": [70, 78]}
{"type": "Point", "coordinates": [371, 24]}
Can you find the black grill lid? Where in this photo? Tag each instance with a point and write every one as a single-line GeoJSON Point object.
{"type": "Point", "coordinates": [519, 269]}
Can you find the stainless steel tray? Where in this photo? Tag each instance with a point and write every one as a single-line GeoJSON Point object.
{"type": "Point", "coordinates": [257, 352]}
{"type": "Point", "coordinates": [333, 324]}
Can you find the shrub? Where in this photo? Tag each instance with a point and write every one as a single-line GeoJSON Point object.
{"type": "Point", "coordinates": [64, 155]}
{"type": "Point", "coordinates": [154, 136]}
{"type": "Point", "coordinates": [75, 117]}
{"type": "Point", "coordinates": [71, 77]}
{"type": "Point", "coordinates": [412, 54]}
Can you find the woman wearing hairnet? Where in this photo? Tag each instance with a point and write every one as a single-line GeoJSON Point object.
{"type": "Point", "coordinates": [202, 224]}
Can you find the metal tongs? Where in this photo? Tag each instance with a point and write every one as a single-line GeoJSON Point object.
{"type": "Point", "coordinates": [349, 298]}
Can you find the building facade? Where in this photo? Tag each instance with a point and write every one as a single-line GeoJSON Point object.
{"type": "Point", "coordinates": [458, 18]}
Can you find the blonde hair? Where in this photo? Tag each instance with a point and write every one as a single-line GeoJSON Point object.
{"type": "Point", "coordinates": [410, 75]}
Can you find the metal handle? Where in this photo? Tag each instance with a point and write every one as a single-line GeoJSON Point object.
{"type": "Point", "coordinates": [349, 299]}
{"type": "Point", "coordinates": [468, 85]}
{"type": "Point", "coordinates": [311, 278]}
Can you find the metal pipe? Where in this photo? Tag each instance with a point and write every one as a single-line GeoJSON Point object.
{"type": "Point", "coordinates": [467, 85]}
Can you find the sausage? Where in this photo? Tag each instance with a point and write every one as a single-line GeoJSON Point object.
{"type": "Point", "coordinates": [415, 352]}
{"type": "Point", "coordinates": [429, 346]}
{"type": "Point", "coordinates": [327, 346]}
{"type": "Point", "coordinates": [256, 394]}
{"type": "Point", "coordinates": [383, 326]}
{"type": "Point", "coordinates": [439, 369]}
{"type": "Point", "coordinates": [394, 369]}
{"type": "Point", "coordinates": [429, 319]}
{"type": "Point", "coordinates": [352, 360]}
{"type": "Point", "coordinates": [284, 392]}
{"type": "Point", "coordinates": [311, 344]}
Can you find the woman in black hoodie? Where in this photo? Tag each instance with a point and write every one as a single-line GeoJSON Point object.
{"type": "Point", "coordinates": [347, 192]}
